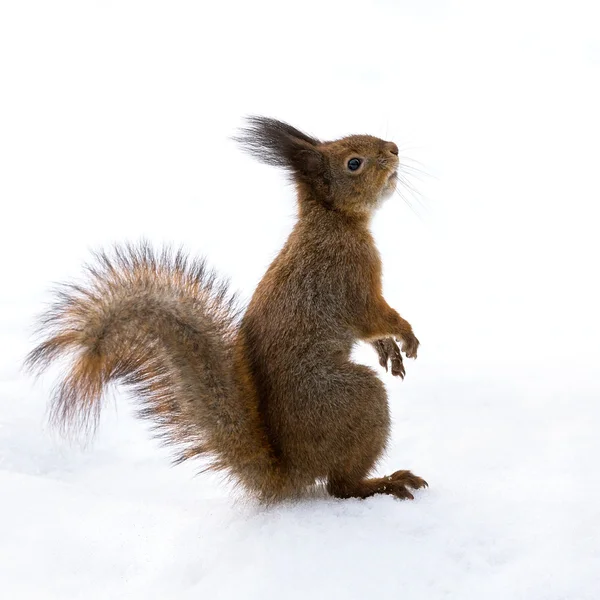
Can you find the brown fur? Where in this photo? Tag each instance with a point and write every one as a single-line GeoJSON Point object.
{"type": "Point", "coordinates": [273, 398]}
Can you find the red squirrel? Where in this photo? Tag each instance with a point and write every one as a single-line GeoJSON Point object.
{"type": "Point", "coordinates": [271, 396]}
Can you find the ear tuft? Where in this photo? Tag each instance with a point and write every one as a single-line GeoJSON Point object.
{"type": "Point", "coordinates": [277, 143]}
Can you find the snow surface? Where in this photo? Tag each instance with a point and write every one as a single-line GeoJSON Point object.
{"type": "Point", "coordinates": [114, 125]}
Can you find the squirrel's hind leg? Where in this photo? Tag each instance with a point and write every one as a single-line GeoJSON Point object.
{"type": "Point", "coordinates": [396, 485]}
{"type": "Point", "coordinates": [361, 438]}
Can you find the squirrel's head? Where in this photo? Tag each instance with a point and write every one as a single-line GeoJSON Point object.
{"type": "Point", "coordinates": [352, 174]}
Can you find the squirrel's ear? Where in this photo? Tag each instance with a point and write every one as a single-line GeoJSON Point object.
{"type": "Point", "coordinates": [276, 143]}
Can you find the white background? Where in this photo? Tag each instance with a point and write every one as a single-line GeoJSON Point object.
{"type": "Point", "coordinates": [115, 119]}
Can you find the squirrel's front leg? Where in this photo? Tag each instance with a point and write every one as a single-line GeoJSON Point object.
{"type": "Point", "coordinates": [382, 321]}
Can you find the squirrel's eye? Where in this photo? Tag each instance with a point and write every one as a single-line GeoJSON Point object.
{"type": "Point", "coordinates": [354, 164]}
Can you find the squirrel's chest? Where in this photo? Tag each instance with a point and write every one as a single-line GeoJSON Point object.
{"type": "Point", "coordinates": [321, 278]}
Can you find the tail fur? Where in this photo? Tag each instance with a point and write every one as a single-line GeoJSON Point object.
{"type": "Point", "coordinates": [166, 326]}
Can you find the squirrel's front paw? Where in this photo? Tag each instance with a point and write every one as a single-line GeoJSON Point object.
{"type": "Point", "coordinates": [388, 350]}
{"type": "Point", "coordinates": [410, 344]}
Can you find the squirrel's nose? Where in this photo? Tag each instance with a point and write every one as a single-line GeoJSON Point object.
{"type": "Point", "coordinates": [391, 148]}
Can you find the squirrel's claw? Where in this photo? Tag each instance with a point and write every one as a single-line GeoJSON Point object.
{"type": "Point", "coordinates": [388, 351]}
{"type": "Point", "coordinates": [410, 345]}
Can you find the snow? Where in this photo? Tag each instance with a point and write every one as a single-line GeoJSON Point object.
{"type": "Point", "coordinates": [115, 121]}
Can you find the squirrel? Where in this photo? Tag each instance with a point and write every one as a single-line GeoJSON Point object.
{"type": "Point", "coordinates": [269, 396]}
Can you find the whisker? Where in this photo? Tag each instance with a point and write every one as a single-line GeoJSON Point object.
{"type": "Point", "coordinates": [410, 187]}
{"type": "Point", "coordinates": [409, 168]}
{"type": "Point", "coordinates": [407, 202]}
{"type": "Point", "coordinates": [408, 159]}
{"type": "Point", "coordinates": [414, 171]}
{"type": "Point", "coordinates": [414, 193]}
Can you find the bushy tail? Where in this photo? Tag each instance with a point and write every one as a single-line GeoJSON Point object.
{"type": "Point", "coordinates": [164, 325]}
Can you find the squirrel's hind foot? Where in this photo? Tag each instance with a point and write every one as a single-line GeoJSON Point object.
{"type": "Point", "coordinates": [396, 484]}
